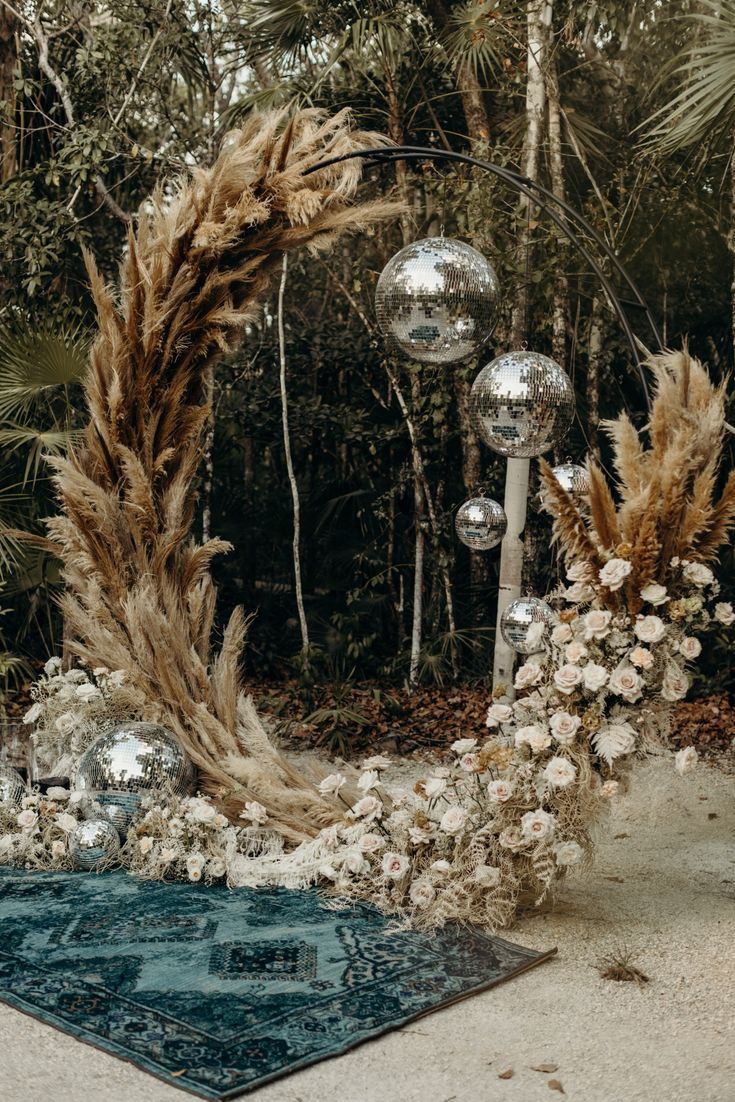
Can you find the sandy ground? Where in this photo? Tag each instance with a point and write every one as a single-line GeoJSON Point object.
{"type": "Point", "coordinates": [664, 887]}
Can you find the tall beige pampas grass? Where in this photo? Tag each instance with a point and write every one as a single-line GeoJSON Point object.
{"type": "Point", "coordinates": [666, 483]}
{"type": "Point", "coordinates": [139, 595]}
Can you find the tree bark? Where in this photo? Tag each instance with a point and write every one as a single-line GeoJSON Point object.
{"type": "Point", "coordinates": [8, 59]}
{"type": "Point", "coordinates": [558, 186]}
{"type": "Point", "coordinates": [594, 362]}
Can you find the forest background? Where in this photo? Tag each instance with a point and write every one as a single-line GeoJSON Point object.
{"type": "Point", "coordinates": [625, 108]}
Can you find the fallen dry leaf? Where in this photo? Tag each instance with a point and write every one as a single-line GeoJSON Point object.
{"type": "Point", "coordinates": [545, 1068]}
{"type": "Point", "coordinates": [507, 1074]}
{"type": "Point", "coordinates": [615, 879]}
{"type": "Point", "coordinates": [555, 1085]}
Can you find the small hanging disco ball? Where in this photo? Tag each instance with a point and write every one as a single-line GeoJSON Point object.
{"type": "Point", "coordinates": [438, 300]}
{"type": "Point", "coordinates": [94, 844]}
{"type": "Point", "coordinates": [522, 404]}
{"type": "Point", "coordinates": [130, 760]}
{"type": "Point", "coordinates": [572, 478]}
{"type": "Point", "coordinates": [12, 788]}
{"type": "Point", "coordinates": [525, 624]}
{"type": "Point", "coordinates": [480, 523]}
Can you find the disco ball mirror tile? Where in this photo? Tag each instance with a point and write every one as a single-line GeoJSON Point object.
{"type": "Point", "coordinates": [12, 788]}
{"type": "Point", "coordinates": [94, 844]}
{"type": "Point", "coordinates": [522, 404]}
{"type": "Point", "coordinates": [437, 300]}
{"type": "Point", "coordinates": [518, 620]}
{"type": "Point", "coordinates": [131, 759]}
{"type": "Point", "coordinates": [572, 478]}
{"type": "Point", "coordinates": [480, 523]}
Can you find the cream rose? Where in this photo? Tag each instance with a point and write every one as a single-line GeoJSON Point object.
{"type": "Point", "coordinates": [66, 822]}
{"type": "Point", "coordinates": [368, 808]}
{"type": "Point", "coordinates": [641, 658]}
{"type": "Point", "coordinates": [537, 826]}
{"type": "Point", "coordinates": [614, 573]}
{"type": "Point", "coordinates": [650, 629]}
{"type": "Point", "coordinates": [625, 682]}
{"type": "Point", "coordinates": [145, 844]}
{"type": "Point", "coordinates": [534, 736]}
{"type": "Point", "coordinates": [26, 819]}
{"type": "Point", "coordinates": [561, 634]}
{"type": "Point", "coordinates": [511, 838]}
{"type": "Point", "coordinates": [582, 571]}
{"type": "Point", "coordinates": [567, 677]}
{"type": "Point", "coordinates": [464, 746]}
{"type": "Point", "coordinates": [58, 849]}
{"type": "Point", "coordinates": [500, 791]}
{"type": "Point", "coordinates": [498, 713]}
{"type": "Point", "coordinates": [441, 867]}
{"type": "Point", "coordinates": [724, 613]}
{"type": "Point", "coordinates": [422, 893]}
{"type": "Point", "coordinates": [578, 594]}
{"type": "Point", "coordinates": [559, 773]}
{"type": "Point", "coordinates": [331, 785]}
{"type": "Point", "coordinates": [597, 623]}
{"type": "Point", "coordinates": [368, 780]}
{"type": "Point", "coordinates": [255, 812]}
{"type": "Point", "coordinates": [435, 787]}
{"type": "Point", "coordinates": [454, 819]}
{"type": "Point", "coordinates": [568, 853]}
{"type": "Point", "coordinates": [370, 843]}
{"type": "Point", "coordinates": [594, 677]}
{"type": "Point", "coordinates": [575, 652]}
{"type": "Point", "coordinates": [675, 684]}
{"type": "Point", "coordinates": [690, 647]}
{"type": "Point", "coordinates": [527, 675]}
{"type": "Point", "coordinates": [564, 727]}
{"type": "Point", "coordinates": [698, 574]}
{"type": "Point", "coordinates": [654, 594]}
{"type": "Point", "coordinates": [395, 865]}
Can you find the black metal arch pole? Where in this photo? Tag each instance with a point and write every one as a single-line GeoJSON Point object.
{"type": "Point", "coordinates": [558, 210]}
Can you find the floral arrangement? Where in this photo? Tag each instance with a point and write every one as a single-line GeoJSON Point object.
{"type": "Point", "coordinates": [35, 833]}
{"type": "Point", "coordinates": [72, 708]}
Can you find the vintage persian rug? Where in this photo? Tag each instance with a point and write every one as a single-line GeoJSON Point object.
{"type": "Point", "coordinates": [221, 991]}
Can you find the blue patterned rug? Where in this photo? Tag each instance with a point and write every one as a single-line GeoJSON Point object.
{"type": "Point", "coordinates": [220, 992]}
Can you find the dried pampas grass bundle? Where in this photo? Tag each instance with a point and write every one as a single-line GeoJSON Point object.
{"type": "Point", "coordinates": [668, 504]}
{"type": "Point", "coordinates": [139, 594]}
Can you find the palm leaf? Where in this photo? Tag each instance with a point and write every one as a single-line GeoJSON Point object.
{"type": "Point", "coordinates": [33, 365]}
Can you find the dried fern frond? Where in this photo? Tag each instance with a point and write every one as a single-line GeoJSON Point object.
{"type": "Point", "coordinates": [139, 596]}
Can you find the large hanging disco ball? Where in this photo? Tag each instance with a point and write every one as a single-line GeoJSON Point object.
{"type": "Point", "coordinates": [522, 404]}
{"type": "Point", "coordinates": [130, 760]}
{"type": "Point", "coordinates": [12, 788]}
{"type": "Point", "coordinates": [94, 844]}
{"type": "Point", "coordinates": [480, 523]}
{"type": "Point", "coordinates": [572, 478]}
{"type": "Point", "coordinates": [518, 624]}
{"type": "Point", "coordinates": [438, 300]}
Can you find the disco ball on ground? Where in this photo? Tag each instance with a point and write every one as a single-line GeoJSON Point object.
{"type": "Point", "coordinates": [525, 624]}
{"type": "Point", "coordinates": [522, 404]}
{"type": "Point", "coordinates": [438, 300]}
{"type": "Point", "coordinates": [572, 478]}
{"type": "Point", "coordinates": [12, 788]}
{"type": "Point", "coordinates": [480, 523]}
{"type": "Point", "coordinates": [127, 762]}
{"type": "Point", "coordinates": [94, 844]}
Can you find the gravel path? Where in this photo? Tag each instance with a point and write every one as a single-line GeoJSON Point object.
{"type": "Point", "coordinates": [664, 887]}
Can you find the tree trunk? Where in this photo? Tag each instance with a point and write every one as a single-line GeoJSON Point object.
{"type": "Point", "coordinates": [594, 358]}
{"type": "Point", "coordinates": [472, 481]}
{"type": "Point", "coordinates": [8, 61]}
{"type": "Point", "coordinates": [731, 244]}
{"type": "Point", "coordinates": [558, 186]}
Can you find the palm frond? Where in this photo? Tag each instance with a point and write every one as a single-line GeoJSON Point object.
{"type": "Point", "coordinates": [34, 365]}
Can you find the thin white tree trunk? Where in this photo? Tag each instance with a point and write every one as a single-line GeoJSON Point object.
{"type": "Point", "coordinates": [289, 466]}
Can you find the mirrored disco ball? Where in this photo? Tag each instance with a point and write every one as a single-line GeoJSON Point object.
{"type": "Point", "coordinates": [517, 624]}
{"type": "Point", "coordinates": [522, 404]}
{"type": "Point", "coordinates": [94, 844]}
{"type": "Point", "coordinates": [12, 788]}
{"type": "Point", "coordinates": [572, 478]}
{"type": "Point", "coordinates": [130, 760]}
{"type": "Point", "coordinates": [438, 300]}
{"type": "Point", "coordinates": [480, 523]}
{"type": "Point", "coordinates": [116, 808]}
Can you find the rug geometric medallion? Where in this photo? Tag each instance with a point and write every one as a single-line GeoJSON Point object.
{"type": "Point", "coordinates": [218, 991]}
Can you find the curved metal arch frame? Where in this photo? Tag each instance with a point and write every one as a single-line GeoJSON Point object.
{"type": "Point", "coordinates": [558, 210]}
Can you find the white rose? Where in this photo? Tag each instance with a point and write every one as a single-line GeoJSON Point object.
{"type": "Point", "coordinates": [216, 868]}
{"type": "Point", "coordinates": [500, 791]}
{"type": "Point", "coordinates": [117, 678]}
{"type": "Point", "coordinates": [698, 574]}
{"type": "Point", "coordinates": [690, 647]}
{"type": "Point", "coordinates": [395, 865]}
{"type": "Point", "coordinates": [368, 808]}
{"type": "Point", "coordinates": [254, 812]}
{"type": "Point", "coordinates": [76, 677]}
{"type": "Point", "coordinates": [575, 651]}
{"type": "Point", "coordinates": [355, 863]}
{"type": "Point", "coordinates": [33, 713]}
{"type": "Point", "coordinates": [537, 826]}
{"type": "Point", "coordinates": [442, 867]}
{"type": "Point", "coordinates": [67, 723]}
{"type": "Point", "coordinates": [675, 684]}
{"type": "Point", "coordinates": [487, 876]}
{"type": "Point", "coordinates": [145, 845]}
{"type": "Point", "coordinates": [57, 793]}
{"type": "Point", "coordinates": [377, 761]}
{"type": "Point", "coordinates": [579, 593]}
{"type": "Point", "coordinates": [641, 658]}
{"type": "Point", "coordinates": [58, 849]}
{"type": "Point", "coordinates": [512, 839]}
{"type": "Point", "coordinates": [581, 572]}
{"type": "Point", "coordinates": [614, 573]}
{"type": "Point", "coordinates": [724, 613]}
{"type": "Point", "coordinates": [27, 819]}
{"type": "Point", "coordinates": [650, 629]}
{"type": "Point", "coordinates": [370, 843]}
{"type": "Point", "coordinates": [88, 693]}
{"type": "Point", "coordinates": [568, 853]}
{"type": "Point", "coordinates": [626, 682]}
{"type": "Point", "coordinates": [561, 634]}
{"type": "Point", "coordinates": [470, 763]}
{"type": "Point", "coordinates": [654, 594]}
{"type": "Point", "coordinates": [567, 677]}
{"type": "Point", "coordinates": [331, 785]}
{"type": "Point", "coordinates": [66, 822]}
{"type": "Point", "coordinates": [435, 787]}
{"type": "Point", "coordinates": [100, 671]}
{"type": "Point", "coordinates": [220, 821]}
{"type": "Point", "coordinates": [498, 713]}
{"type": "Point", "coordinates": [454, 819]}
{"type": "Point", "coordinates": [368, 780]}
{"type": "Point", "coordinates": [52, 667]}
{"type": "Point", "coordinates": [463, 746]}
{"type": "Point", "coordinates": [201, 811]}
{"type": "Point", "coordinates": [168, 855]}
{"type": "Point", "coordinates": [194, 873]}
{"type": "Point", "coordinates": [559, 772]}
{"type": "Point", "coordinates": [536, 737]}
{"type": "Point", "coordinates": [564, 727]}
{"type": "Point", "coordinates": [195, 861]}
{"type": "Point", "coordinates": [422, 893]}
{"type": "Point", "coordinates": [419, 836]}
{"type": "Point", "coordinates": [685, 760]}
{"type": "Point", "coordinates": [597, 624]}
{"type": "Point", "coordinates": [527, 675]}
